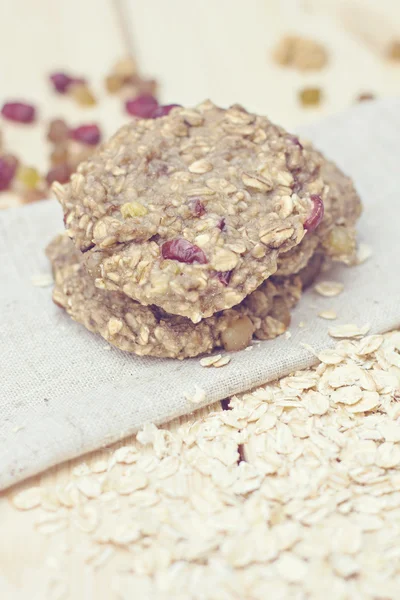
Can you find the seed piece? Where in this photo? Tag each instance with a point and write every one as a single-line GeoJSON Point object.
{"type": "Point", "coordinates": [133, 209]}
{"type": "Point", "coordinates": [310, 96]}
{"type": "Point", "coordinates": [238, 334]}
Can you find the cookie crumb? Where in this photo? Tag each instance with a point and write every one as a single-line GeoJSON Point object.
{"type": "Point", "coordinates": [42, 280]}
{"type": "Point", "coordinates": [364, 252]}
{"type": "Point", "coordinates": [310, 96]}
{"type": "Point", "coordinates": [288, 335]}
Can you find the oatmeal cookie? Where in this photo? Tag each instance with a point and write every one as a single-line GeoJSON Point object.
{"type": "Point", "coordinates": [148, 330]}
{"type": "Point", "coordinates": [192, 212]}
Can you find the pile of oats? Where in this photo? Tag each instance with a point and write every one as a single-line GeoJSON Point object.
{"type": "Point", "coordinates": [292, 490]}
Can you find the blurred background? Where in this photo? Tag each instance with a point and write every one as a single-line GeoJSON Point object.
{"type": "Point", "coordinates": [68, 81]}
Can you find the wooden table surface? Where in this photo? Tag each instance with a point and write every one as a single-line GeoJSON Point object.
{"type": "Point", "coordinates": [220, 50]}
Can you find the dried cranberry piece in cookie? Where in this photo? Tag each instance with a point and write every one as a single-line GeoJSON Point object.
{"type": "Point", "coordinates": [224, 277]}
{"type": "Point", "coordinates": [221, 224]}
{"type": "Point", "coordinates": [316, 215]}
{"type": "Point", "coordinates": [198, 208]}
{"type": "Point", "coordinates": [163, 111]}
{"type": "Point", "coordinates": [183, 251]}
{"type": "Point", "coordinates": [142, 106]}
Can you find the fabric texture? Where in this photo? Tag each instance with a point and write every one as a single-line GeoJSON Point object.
{"type": "Point", "coordinates": [65, 392]}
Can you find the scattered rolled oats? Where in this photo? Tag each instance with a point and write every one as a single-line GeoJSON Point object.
{"type": "Point", "coordinates": [27, 499]}
{"type": "Point", "coordinates": [198, 396]}
{"type": "Point", "coordinates": [330, 315]}
{"type": "Point", "coordinates": [329, 288]}
{"type": "Point", "coordinates": [224, 360]}
{"type": "Point", "coordinates": [349, 331]}
{"type": "Point", "coordinates": [208, 361]}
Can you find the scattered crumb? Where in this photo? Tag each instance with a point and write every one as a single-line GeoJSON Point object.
{"type": "Point", "coordinates": [365, 97]}
{"type": "Point", "coordinates": [248, 348]}
{"type": "Point", "coordinates": [364, 252]}
{"type": "Point", "coordinates": [302, 324]}
{"type": "Point", "coordinates": [310, 96]}
{"type": "Point", "coordinates": [42, 280]}
{"type": "Point", "coordinates": [330, 315]}
{"type": "Point", "coordinates": [301, 53]}
{"type": "Point", "coordinates": [394, 50]}
{"type": "Point", "coordinates": [329, 288]}
{"type": "Point", "coordinates": [288, 335]}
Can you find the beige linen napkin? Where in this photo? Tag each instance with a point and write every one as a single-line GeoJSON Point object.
{"type": "Point", "coordinates": [63, 391]}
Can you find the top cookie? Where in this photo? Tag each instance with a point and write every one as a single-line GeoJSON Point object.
{"type": "Point", "coordinates": [191, 211]}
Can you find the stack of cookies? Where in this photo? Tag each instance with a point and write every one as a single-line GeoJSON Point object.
{"type": "Point", "coordinates": [198, 230]}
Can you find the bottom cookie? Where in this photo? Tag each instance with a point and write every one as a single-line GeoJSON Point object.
{"type": "Point", "coordinates": [148, 330]}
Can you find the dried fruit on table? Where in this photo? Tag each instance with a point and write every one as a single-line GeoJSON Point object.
{"type": "Point", "coordinates": [8, 167]}
{"type": "Point", "coordinates": [87, 134]}
{"type": "Point", "coordinates": [60, 173]}
{"type": "Point", "coordinates": [28, 177]}
{"type": "Point", "coordinates": [58, 131]}
{"type": "Point", "coordinates": [310, 96]}
{"type": "Point", "coordinates": [62, 81]}
{"type": "Point", "coordinates": [365, 96]}
{"type": "Point", "coordinates": [394, 50]}
{"type": "Point", "coordinates": [81, 93]}
{"type": "Point", "coordinates": [20, 112]}
{"type": "Point", "coordinates": [142, 106]}
{"type": "Point", "coordinates": [59, 155]}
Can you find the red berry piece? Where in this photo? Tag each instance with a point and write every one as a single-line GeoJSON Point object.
{"type": "Point", "coordinates": [221, 224]}
{"type": "Point", "coordinates": [183, 251]}
{"type": "Point", "coordinates": [224, 277]}
{"type": "Point", "coordinates": [62, 81]}
{"type": "Point", "coordinates": [295, 140]}
{"type": "Point", "coordinates": [162, 111]}
{"type": "Point", "coordinates": [8, 167]}
{"type": "Point", "coordinates": [60, 173]}
{"type": "Point", "coordinates": [86, 134]}
{"type": "Point", "coordinates": [142, 106]}
{"type": "Point", "coordinates": [20, 112]}
{"type": "Point", "coordinates": [198, 208]}
{"type": "Point", "coordinates": [316, 215]}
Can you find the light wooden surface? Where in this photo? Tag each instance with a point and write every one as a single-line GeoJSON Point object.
{"type": "Point", "coordinates": [215, 49]}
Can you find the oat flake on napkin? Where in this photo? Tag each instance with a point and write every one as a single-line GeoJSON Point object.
{"type": "Point", "coordinates": [64, 392]}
